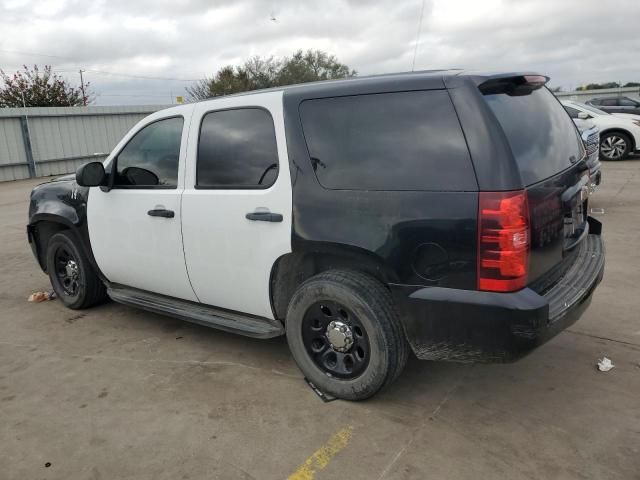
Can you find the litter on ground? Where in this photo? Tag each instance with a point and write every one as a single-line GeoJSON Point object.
{"type": "Point", "coordinates": [605, 364]}
{"type": "Point", "coordinates": [38, 297]}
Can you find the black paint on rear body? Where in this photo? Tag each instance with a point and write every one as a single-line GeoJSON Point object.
{"type": "Point", "coordinates": [418, 237]}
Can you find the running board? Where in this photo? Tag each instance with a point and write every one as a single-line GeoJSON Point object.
{"type": "Point", "coordinates": [234, 322]}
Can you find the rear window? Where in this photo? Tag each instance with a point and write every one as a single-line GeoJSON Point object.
{"type": "Point", "coordinates": [389, 141]}
{"type": "Point", "coordinates": [542, 137]}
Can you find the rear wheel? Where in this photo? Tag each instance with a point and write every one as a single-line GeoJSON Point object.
{"type": "Point", "coordinates": [345, 335]}
{"type": "Point", "coordinates": [614, 146]}
{"type": "Point", "coordinates": [72, 276]}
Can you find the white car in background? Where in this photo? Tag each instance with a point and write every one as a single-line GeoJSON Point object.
{"type": "Point", "coordinates": [619, 135]}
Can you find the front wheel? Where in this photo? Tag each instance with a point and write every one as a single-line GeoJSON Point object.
{"type": "Point", "coordinates": [72, 276]}
{"type": "Point", "coordinates": [614, 146]}
{"type": "Point", "coordinates": [345, 335]}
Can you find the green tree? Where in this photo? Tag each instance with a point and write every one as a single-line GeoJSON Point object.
{"type": "Point", "coordinates": [312, 66]}
{"type": "Point", "coordinates": [632, 84]}
{"type": "Point", "coordinates": [599, 86]}
{"type": "Point", "coordinates": [257, 73]}
{"type": "Point", "coordinates": [40, 88]}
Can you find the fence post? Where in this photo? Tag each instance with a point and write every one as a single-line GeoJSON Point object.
{"type": "Point", "coordinates": [31, 164]}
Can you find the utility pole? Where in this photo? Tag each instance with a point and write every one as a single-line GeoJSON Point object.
{"type": "Point", "coordinates": [84, 97]}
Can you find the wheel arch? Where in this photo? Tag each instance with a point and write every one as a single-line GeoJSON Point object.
{"type": "Point", "coordinates": [627, 133]}
{"type": "Point", "coordinates": [290, 270]}
{"type": "Point", "coordinates": [43, 226]}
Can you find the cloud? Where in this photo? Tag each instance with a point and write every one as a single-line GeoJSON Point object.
{"type": "Point", "coordinates": [571, 40]}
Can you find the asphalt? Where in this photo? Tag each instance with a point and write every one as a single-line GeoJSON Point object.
{"type": "Point", "coordinates": [115, 392]}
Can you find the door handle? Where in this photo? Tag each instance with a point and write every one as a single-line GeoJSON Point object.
{"type": "Point", "coordinates": [264, 217]}
{"type": "Point", "coordinates": [161, 212]}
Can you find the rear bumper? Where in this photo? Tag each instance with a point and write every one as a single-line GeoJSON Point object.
{"type": "Point", "coordinates": [474, 326]}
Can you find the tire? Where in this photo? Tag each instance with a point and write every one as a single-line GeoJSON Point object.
{"type": "Point", "coordinates": [363, 307]}
{"type": "Point", "coordinates": [614, 146]}
{"type": "Point", "coordinates": [72, 277]}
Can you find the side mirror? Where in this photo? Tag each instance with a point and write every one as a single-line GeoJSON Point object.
{"type": "Point", "coordinates": [584, 116]}
{"type": "Point", "coordinates": [91, 175]}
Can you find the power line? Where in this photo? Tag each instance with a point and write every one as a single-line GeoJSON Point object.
{"type": "Point", "coordinates": [144, 77]}
{"type": "Point", "coordinates": [36, 54]}
{"type": "Point", "coordinates": [415, 50]}
{"type": "Point", "coordinates": [102, 72]}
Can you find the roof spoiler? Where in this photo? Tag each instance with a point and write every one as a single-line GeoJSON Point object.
{"type": "Point", "coordinates": [513, 85]}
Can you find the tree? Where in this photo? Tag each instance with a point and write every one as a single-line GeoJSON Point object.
{"type": "Point", "coordinates": [599, 86]}
{"type": "Point", "coordinates": [257, 73]}
{"type": "Point", "coordinates": [40, 88]}
{"type": "Point", "coordinates": [632, 84]}
{"type": "Point", "coordinates": [312, 66]}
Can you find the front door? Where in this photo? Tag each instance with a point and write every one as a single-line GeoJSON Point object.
{"type": "Point", "coordinates": [135, 227]}
{"type": "Point", "coordinates": [236, 204]}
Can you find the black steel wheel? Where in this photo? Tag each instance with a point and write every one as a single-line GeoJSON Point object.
{"type": "Point", "coordinates": [67, 271]}
{"type": "Point", "coordinates": [335, 339]}
{"type": "Point", "coordinates": [345, 335]}
{"type": "Point", "coordinates": [72, 277]}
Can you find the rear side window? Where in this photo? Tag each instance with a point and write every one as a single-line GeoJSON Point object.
{"type": "Point", "coordinates": [543, 139]}
{"type": "Point", "coordinates": [237, 149]}
{"type": "Point", "coordinates": [390, 141]}
{"type": "Point", "coordinates": [627, 102]}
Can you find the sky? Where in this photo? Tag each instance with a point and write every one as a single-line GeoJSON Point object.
{"type": "Point", "coordinates": [177, 41]}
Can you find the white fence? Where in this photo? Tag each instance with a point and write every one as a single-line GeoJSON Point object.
{"type": "Point", "coordinates": [42, 141]}
{"type": "Point", "coordinates": [586, 95]}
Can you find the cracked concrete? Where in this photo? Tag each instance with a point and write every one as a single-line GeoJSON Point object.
{"type": "Point", "coordinates": [116, 392]}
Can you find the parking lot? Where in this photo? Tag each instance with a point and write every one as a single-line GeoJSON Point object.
{"type": "Point", "coordinates": [115, 392]}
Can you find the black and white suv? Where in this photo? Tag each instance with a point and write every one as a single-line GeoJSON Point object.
{"type": "Point", "coordinates": [439, 212]}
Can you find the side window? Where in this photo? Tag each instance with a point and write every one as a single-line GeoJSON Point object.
{"type": "Point", "coordinates": [627, 102]}
{"type": "Point", "coordinates": [150, 159]}
{"type": "Point", "coordinates": [387, 141]}
{"type": "Point", "coordinates": [237, 149]}
{"type": "Point", "coordinates": [608, 102]}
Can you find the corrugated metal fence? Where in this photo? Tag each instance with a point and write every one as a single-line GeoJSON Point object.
{"type": "Point", "coordinates": [41, 141]}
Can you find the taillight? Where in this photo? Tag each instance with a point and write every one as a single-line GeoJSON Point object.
{"type": "Point", "coordinates": [503, 241]}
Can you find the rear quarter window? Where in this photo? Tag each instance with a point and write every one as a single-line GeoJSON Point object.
{"type": "Point", "coordinates": [542, 136]}
{"type": "Point", "coordinates": [389, 141]}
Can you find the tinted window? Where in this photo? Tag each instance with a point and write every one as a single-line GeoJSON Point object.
{"type": "Point", "coordinates": [237, 148]}
{"type": "Point", "coordinates": [608, 102]}
{"type": "Point", "coordinates": [627, 102]}
{"type": "Point", "coordinates": [391, 141]}
{"type": "Point", "coordinates": [151, 156]}
{"type": "Point", "coordinates": [541, 135]}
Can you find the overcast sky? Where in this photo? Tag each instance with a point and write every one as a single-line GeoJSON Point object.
{"type": "Point", "coordinates": [572, 41]}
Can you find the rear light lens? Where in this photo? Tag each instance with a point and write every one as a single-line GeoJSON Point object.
{"type": "Point", "coordinates": [503, 241]}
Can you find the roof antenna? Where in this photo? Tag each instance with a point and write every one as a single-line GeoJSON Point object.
{"type": "Point", "coordinates": [415, 50]}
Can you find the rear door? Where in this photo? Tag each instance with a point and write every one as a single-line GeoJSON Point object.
{"type": "Point", "coordinates": [550, 157]}
{"type": "Point", "coordinates": [237, 201]}
{"type": "Point", "coordinates": [627, 105]}
{"type": "Point", "coordinates": [609, 105]}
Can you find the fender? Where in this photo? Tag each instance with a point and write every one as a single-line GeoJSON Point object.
{"type": "Point", "coordinates": [60, 204]}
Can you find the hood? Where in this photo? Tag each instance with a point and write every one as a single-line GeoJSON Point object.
{"type": "Point", "coordinates": [583, 124]}
{"type": "Point", "coordinates": [630, 116]}
{"type": "Point", "coordinates": [64, 178]}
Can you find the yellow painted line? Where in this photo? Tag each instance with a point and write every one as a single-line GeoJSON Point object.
{"type": "Point", "coordinates": [321, 457]}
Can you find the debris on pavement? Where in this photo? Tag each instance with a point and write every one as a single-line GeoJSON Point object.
{"type": "Point", "coordinates": [605, 364]}
{"type": "Point", "coordinates": [38, 297]}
